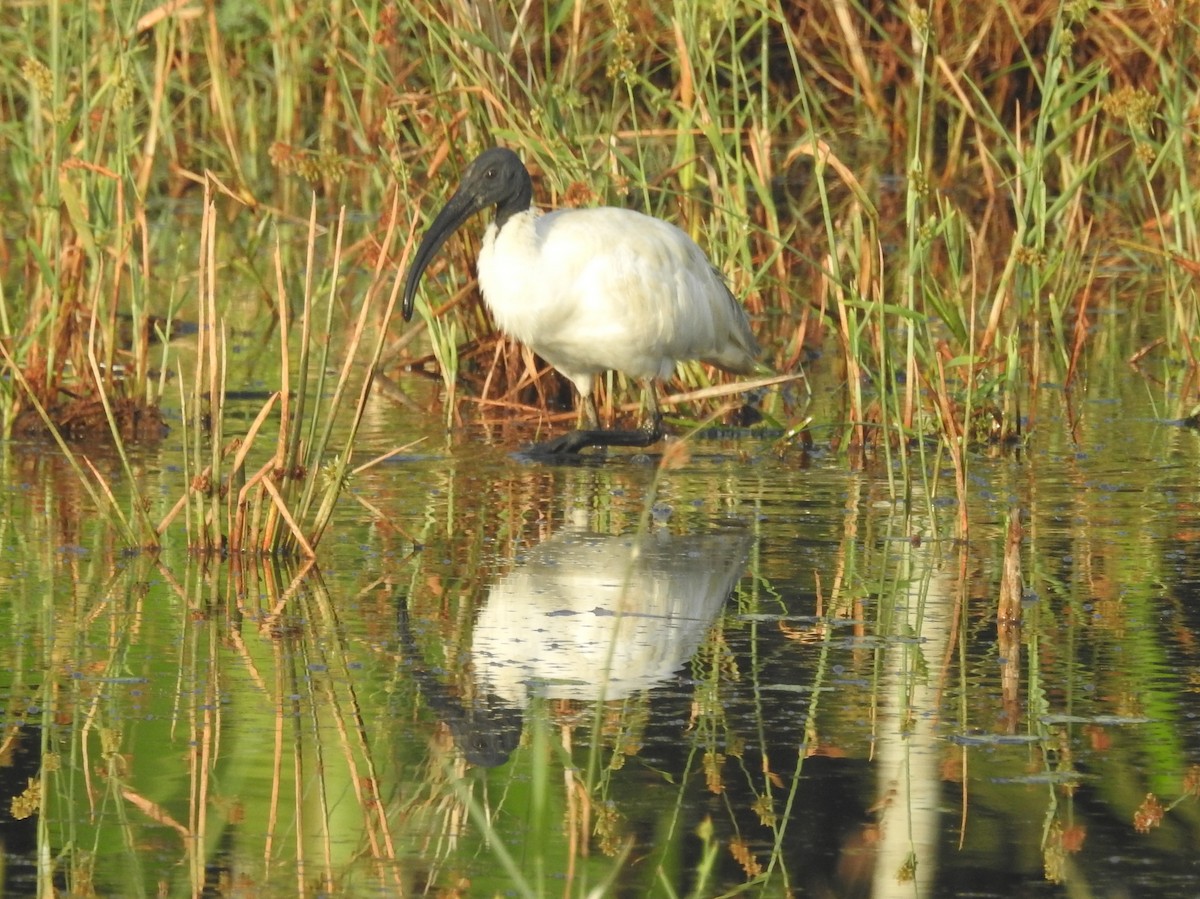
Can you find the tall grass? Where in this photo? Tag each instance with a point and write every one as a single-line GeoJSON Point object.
{"type": "Point", "coordinates": [984, 173]}
{"type": "Point", "coordinates": [999, 174]}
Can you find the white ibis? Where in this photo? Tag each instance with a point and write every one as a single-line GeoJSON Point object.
{"type": "Point", "coordinates": [592, 290]}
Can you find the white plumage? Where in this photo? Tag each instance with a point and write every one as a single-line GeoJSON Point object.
{"type": "Point", "coordinates": [592, 290]}
{"type": "Point", "coordinates": [589, 616]}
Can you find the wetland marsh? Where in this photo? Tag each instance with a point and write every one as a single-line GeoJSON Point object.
{"type": "Point", "coordinates": [285, 612]}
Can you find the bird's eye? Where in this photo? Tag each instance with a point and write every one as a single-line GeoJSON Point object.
{"type": "Point", "coordinates": [489, 173]}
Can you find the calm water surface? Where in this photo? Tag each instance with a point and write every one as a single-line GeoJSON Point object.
{"type": "Point", "coordinates": [745, 669]}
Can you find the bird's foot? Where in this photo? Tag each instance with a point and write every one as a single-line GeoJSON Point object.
{"type": "Point", "coordinates": [571, 443]}
{"type": "Point", "coordinates": [568, 444]}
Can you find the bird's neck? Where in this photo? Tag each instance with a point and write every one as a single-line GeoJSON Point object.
{"type": "Point", "coordinates": [517, 203]}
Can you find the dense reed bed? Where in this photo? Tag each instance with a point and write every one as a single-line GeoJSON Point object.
{"type": "Point", "coordinates": [942, 202]}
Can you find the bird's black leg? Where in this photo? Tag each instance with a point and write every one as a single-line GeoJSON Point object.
{"type": "Point", "coordinates": [571, 443]}
{"type": "Point", "coordinates": [574, 441]}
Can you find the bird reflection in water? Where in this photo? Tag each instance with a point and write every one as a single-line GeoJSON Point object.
{"type": "Point", "coordinates": [587, 617]}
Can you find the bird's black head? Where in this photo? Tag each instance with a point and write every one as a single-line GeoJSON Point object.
{"type": "Point", "coordinates": [496, 178]}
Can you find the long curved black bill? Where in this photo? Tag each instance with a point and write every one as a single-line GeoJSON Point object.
{"type": "Point", "coordinates": [457, 210]}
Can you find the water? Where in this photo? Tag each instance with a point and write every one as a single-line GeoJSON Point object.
{"type": "Point", "coordinates": [809, 691]}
